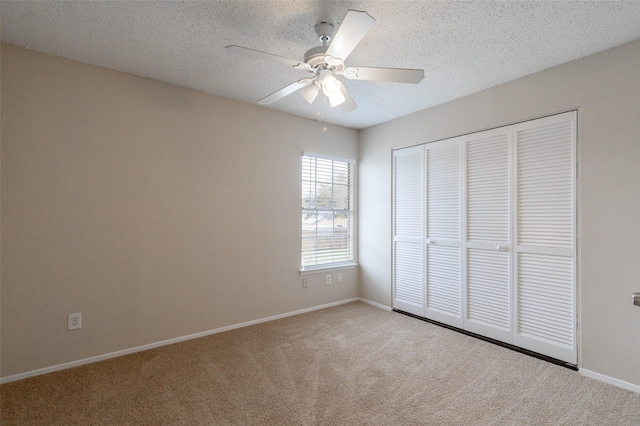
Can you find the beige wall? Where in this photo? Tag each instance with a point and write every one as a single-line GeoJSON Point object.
{"type": "Point", "coordinates": [155, 211]}
{"type": "Point", "coordinates": [606, 89]}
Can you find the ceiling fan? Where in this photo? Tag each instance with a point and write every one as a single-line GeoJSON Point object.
{"type": "Point", "coordinates": [324, 63]}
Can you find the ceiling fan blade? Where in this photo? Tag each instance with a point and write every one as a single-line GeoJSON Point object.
{"type": "Point", "coordinates": [285, 91]}
{"type": "Point", "coordinates": [353, 28]}
{"type": "Point", "coordinates": [256, 54]}
{"type": "Point", "coordinates": [400, 75]}
{"type": "Point", "coordinates": [348, 104]}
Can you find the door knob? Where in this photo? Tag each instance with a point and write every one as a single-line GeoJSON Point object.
{"type": "Point", "coordinates": [636, 299]}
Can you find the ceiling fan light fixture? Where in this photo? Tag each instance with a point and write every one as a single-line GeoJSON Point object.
{"type": "Point", "coordinates": [330, 85]}
{"type": "Point", "coordinates": [310, 93]}
{"type": "Point", "coordinates": [331, 89]}
{"type": "Point", "coordinates": [336, 99]}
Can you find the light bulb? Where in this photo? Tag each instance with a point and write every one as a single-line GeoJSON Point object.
{"type": "Point", "coordinates": [331, 89]}
{"type": "Point", "coordinates": [329, 85]}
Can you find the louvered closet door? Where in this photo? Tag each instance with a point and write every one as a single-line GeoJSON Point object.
{"type": "Point", "coordinates": [408, 237]}
{"type": "Point", "coordinates": [443, 188]}
{"type": "Point", "coordinates": [545, 229]}
{"type": "Point", "coordinates": [487, 230]}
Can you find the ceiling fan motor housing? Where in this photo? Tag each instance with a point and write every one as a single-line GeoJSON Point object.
{"type": "Point", "coordinates": [315, 56]}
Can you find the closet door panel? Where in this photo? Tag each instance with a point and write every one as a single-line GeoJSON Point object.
{"type": "Point", "coordinates": [545, 298]}
{"type": "Point", "coordinates": [443, 219]}
{"type": "Point", "coordinates": [443, 289]}
{"type": "Point", "coordinates": [545, 250]}
{"type": "Point", "coordinates": [488, 293]}
{"type": "Point", "coordinates": [408, 290]}
{"type": "Point", "coordinates": [545, 185]}
{"type": "Point", "coordinates": [408, 229]}
{"type": "Point", "coordinates": [443, 191]}
{"type": "Point", "coordinates": [488, 234]}
{"type": "Point", "coordinates": [487, 187]}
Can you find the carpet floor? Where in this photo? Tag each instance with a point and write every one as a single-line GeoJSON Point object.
{"type": "Point", "coordinates": [352, 364]}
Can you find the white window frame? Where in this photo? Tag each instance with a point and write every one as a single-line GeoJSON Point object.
{"type": "Point", "coordinates": [350, 210]}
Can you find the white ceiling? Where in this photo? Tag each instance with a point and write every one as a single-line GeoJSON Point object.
{"type": "Point", "coordinates": [464, 47]}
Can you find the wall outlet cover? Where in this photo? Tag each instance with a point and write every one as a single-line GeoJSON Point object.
{"type": "Point", "coordinates": [74, 321]}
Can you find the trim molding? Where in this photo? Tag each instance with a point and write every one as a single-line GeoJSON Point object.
{"type": "Point", "coordinates": [610, 380]}
{"type": "Point", "coordinates": [116, 354]}
{"type": "Point", "coordinates": [377, 305]}
{"type": "Point", "coordinates": [587, 373]}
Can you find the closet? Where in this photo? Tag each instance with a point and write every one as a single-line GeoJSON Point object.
{"type": "Point", "coordinates": [484, 234]}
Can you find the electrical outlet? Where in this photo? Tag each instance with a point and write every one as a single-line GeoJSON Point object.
{"type": "Point", "coordinates": [339, 277]}
{"type": "Point", "coordinates": [327, 279]}
{"type": "Point", "coordinates": [74, 321]}
{"type": "Point", "coordinates": [304, 283]}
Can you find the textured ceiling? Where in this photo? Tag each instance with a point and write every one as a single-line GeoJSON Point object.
{"type": "Point", "coordinates": [464, 47]}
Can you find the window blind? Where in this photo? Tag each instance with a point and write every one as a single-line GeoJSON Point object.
{"type": "Point", "coordinates": [327, 211]}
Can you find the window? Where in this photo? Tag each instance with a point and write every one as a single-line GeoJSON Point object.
{"type": "Point", "coordinates": [327, 211]}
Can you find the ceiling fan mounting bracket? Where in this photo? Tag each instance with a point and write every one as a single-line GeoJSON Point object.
{"type": "Point", "coordinates": [324, 31]}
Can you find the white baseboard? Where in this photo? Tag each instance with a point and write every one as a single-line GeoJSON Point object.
{"type": "Point", "coordinates": [110, 355]}
{"type": "Point", "coordinates": [377, 305]}
{"type": "Point", "coordinates": [610, 380]}
{"type": "Point", "coordinates": [587, 373]}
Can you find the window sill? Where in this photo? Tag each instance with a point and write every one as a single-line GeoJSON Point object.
{"type": "Point", "coordinates": [320, 269]}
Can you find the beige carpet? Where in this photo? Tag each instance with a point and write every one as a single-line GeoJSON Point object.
{"type": "Point", "coordinates": [349, 365]}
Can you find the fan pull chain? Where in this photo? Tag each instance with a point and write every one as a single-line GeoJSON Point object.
{"type": "Point", "coordinates": [324, 110]}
